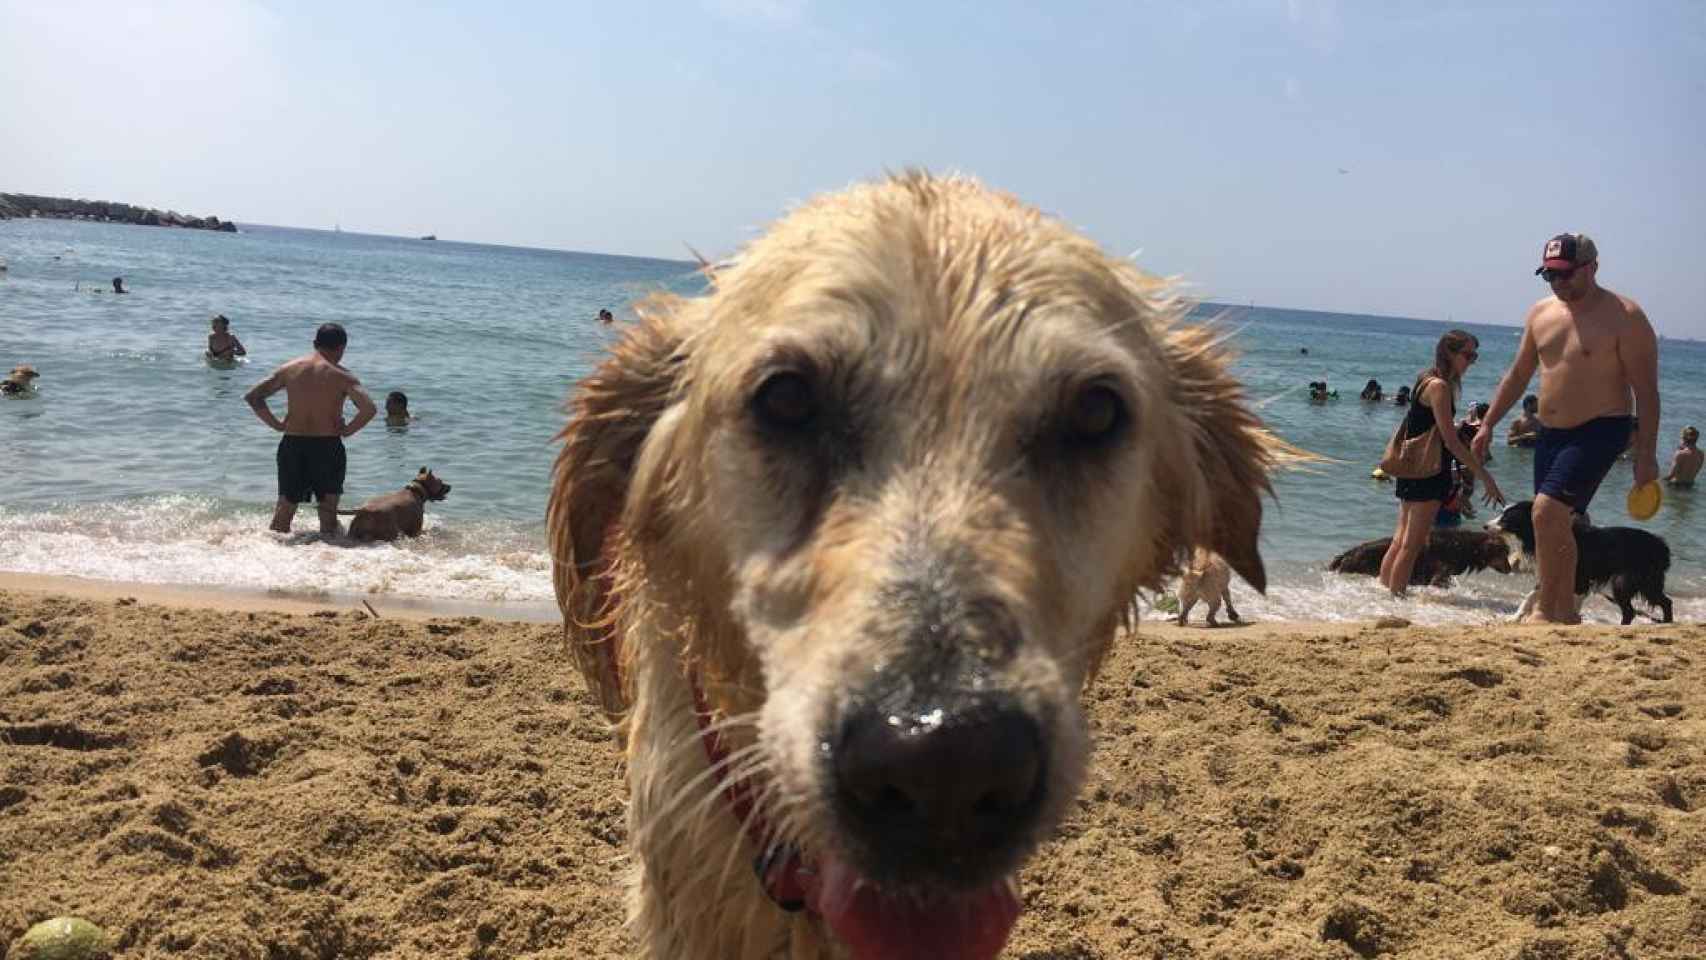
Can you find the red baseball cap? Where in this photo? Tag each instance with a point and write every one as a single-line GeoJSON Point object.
{"type": "Point", "coordinates": [1567, 251]}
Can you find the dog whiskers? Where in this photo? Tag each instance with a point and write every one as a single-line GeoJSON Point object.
{"type": "Point", "coordinates": [782, 828]}
{"type": "Point", "coordinates": [739, 846]}
{"type": "Point", "coordinates": [730, 769]}
{"type": "Point", "coordinates": [731, 721]}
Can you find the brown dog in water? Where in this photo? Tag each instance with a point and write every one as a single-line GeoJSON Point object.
{"type": "Point", "coordinates": [385, 517]}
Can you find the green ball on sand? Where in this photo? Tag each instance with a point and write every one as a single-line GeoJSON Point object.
{"type": "Point", "coordinates": [63, 938]}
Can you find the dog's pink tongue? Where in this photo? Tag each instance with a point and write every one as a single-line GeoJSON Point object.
{"type": "Point", "coordinates": [972, 926]}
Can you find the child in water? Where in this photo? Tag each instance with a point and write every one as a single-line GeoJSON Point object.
{"type": "Point", "coordinates": [397, 409]}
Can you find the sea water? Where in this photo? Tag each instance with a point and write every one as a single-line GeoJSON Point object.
{"type": "Point", "coordinates": [133, 460]}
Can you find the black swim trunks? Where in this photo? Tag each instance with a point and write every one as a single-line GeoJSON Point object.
{"type": "Point", "coordinates": [1570, 464]}
{"type": "Point", "coordinates": [310, 466]}
{"type": "Point", "coordinates": [1436, 487]}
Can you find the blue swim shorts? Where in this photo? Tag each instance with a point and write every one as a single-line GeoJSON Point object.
{"type": "Point", "coordinates": [1570, 463]}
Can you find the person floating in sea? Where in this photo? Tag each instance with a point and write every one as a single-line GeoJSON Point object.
{"type": "Point", "coordinates": [397, 409]}
{"type": "Point", "coordinates": [1318, 392]}
{"type": "Point", "coordinates": [311, 459]}
{"type": "Point", "coordinates": [222, 346]}
{"type": "Point", "coordinates": [20, 380]}
{"type": "Point", "coordinates": [1599, 369]}
{"type": "Point", "coordinates": [1371, 392]}
{"type": "Point", "coordinates": [118, 285]}
{"type": "Point", "coordinates": [606, 317]}
{"type": "Point", "coordinates": [1525, 430]}
{"type": "Point", "coordinates": [1402, 397]}
{"type": "Point", "coordinates": [1685, 463]}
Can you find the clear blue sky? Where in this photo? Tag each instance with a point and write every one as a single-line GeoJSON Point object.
{"type": "Point", "coordinates": [1209, 136]}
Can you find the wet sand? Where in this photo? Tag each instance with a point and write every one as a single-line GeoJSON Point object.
{"type": "Point", "coordinates": [242, 780]}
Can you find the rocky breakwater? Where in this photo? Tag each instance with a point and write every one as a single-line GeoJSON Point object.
{"type": "Point", "coordinates": [24, 205]}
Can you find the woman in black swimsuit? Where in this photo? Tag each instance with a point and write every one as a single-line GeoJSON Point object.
{"type": "Point", "coordinates": [1432, 406]}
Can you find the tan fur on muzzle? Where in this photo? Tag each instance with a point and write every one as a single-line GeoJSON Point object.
{"type": "Point", "coordinates": [879, 501]}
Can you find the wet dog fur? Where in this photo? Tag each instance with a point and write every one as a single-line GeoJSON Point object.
{"type": "Point", "coordinates": [1450, 553]}
{"type": "Point", "coordinates": [401, 513]}
{"type": "Point", "coordinates": [1630, 561]}
{"type": "Point", "coordinates": [907, 462]}
{"type": "Point", "coordinates": [1209, 579]}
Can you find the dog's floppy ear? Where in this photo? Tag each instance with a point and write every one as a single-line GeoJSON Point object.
{"type": "Point", "coordinates": [611, 413]}
{"type": "Point", "coordinates": [1219, 486]}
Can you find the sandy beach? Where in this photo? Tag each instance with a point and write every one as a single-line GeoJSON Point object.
{"type": "Point", "coordinates": [276, 779]}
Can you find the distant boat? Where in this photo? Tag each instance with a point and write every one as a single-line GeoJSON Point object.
{"type": "Point", "coordinates": [430, 237]}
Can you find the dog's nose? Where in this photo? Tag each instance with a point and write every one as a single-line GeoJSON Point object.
{"type": "Point", "coordinates": [938, 792]}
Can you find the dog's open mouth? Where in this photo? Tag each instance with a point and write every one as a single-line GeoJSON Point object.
{"type": "Point", "coordinates": [880, 926]}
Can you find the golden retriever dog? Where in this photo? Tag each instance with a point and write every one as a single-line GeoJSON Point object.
{"type": "Point", "coordinates": [1209, 579]}
{"type": "Point", "coordinates": [840, 543]}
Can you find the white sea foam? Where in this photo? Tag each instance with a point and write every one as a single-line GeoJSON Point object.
{"type": "Point", "coordinates": [1483, 598]}
{"type": "Point", "coordinates": [200, 541]}
{"type": "Point", "coordinates": [207, 542]}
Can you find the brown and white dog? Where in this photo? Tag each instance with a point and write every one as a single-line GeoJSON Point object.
{"type": "Point", "coordinates": [1209, 579]}
{"type": "Point", "coordinates": [1449, 553]}
{"type": "Point", "coordinates": [389, 515]}
{"type": "Point", "coordinates": [840, 544]}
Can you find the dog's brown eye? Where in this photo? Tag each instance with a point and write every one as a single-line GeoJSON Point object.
{"type": "Point", "coordinates": [785, 400]}
{"type": "Point", "coordinates": [1095, 416]}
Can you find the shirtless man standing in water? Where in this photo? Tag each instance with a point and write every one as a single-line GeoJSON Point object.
{"type": "Point", "coordinates": [311, 454]}
{"type": "Point", "coordinates": [1596, 352]}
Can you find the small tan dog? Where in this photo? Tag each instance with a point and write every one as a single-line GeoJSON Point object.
{"type": "Point", "coordinates": [1208, 578]}
{"type": "Point", "coordinates": [840, 544]}
{"type": "Point", "coordinates": [387, 516]}
{"type": "Point", "coordinates": [20, 380]}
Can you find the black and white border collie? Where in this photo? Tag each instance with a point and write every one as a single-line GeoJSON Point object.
{"type": "Point", "coordinates": [1631, 562]}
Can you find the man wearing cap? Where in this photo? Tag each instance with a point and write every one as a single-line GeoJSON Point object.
{"type": "Point", "coordinates": [1685, 465]}
{"type": "Point", "coordinates": [1599, 368]}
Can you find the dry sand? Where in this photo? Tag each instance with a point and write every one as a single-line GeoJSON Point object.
{"type": "Point", "coordinates": [248, 783]}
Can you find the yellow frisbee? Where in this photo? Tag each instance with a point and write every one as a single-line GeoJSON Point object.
{"type": "Point", "coordinates": [1644, 500]}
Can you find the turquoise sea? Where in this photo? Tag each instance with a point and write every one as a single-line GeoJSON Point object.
{"type": "Point", "coordinates": [134, 461]}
